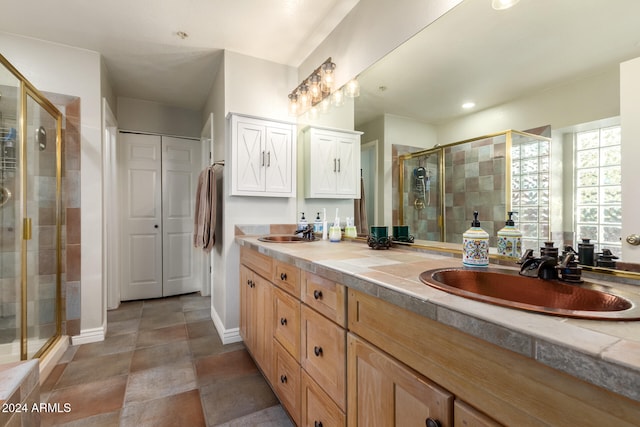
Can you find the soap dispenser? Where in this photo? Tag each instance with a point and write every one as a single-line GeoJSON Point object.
{"type": "Point", "coordinates": [317, 224]}
{"type": "Point", "coordinates": [302, 224]}
{"type": "Point", "coordinates": [510, 239]}
{"type": "Point", "coordinates": [475, 245]}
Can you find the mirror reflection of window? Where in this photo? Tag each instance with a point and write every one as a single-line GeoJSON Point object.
{"type": "Point", "coordinates": [598, 191]}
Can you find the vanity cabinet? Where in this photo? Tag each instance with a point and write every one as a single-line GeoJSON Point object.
{"type": "Point", "coordinates": [383, 392]}
{"type": "Point", "coordinates": [293, 324]}
{"type": "Point", "coordinates": [331, 163]}
{"type": "Point", "coordinates": [263, 157]}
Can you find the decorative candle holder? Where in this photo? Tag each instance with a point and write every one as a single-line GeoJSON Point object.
{"type": "Point", "coordinates": [401, 234]}
{"type": "Point", "coordinates": [379, 237]}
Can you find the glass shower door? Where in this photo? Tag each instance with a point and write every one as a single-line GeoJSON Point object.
{"type": "Point", "coordinates": [10, 214]}
{"type": "Point", "coordinates": [42, 225]}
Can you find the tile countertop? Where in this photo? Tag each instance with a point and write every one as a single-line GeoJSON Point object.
{"type": "Point", "coordinates": [604, 353]}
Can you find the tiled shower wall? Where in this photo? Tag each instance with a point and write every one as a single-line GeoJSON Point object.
{"type": "Point", "coordinates": [71, 219]}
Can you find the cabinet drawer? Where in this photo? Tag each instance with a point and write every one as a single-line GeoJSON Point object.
{"type": "Point", "coordinates": [286, 316]}
{"type": "Point", "coordinates": [317, 407]}
{"type": "Point", "coordinates": [324, 354]}
{"type": "Point", "coordinates": [325, 296]}
{"type": "Point", "coordinates": [466, 416]}
{"type": "Point", "coordinates": [257, 262]}
{"type": "Point", "coordinates": [286, 376]}
{"type": "Point", "coordinates": [287, 277]}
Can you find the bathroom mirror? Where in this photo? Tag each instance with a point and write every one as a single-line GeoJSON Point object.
{"type": "Point", "coordinates": [544, 67]}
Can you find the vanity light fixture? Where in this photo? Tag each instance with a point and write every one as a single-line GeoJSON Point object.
{"type": "Point", "coordinates": [503, 4]}
{"type": "Point", "coordinates": [316, 93]}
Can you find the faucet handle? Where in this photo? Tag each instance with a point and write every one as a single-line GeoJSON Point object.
{"type": "Point", "coordinates": [528, 254]}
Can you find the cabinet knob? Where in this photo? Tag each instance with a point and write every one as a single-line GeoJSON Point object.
{"type": "Point", "coordinates": [283, 379]}
{"type": "Point", "coordinates": [155, 226]}
{"type": "Point", "coordinates": [283, 321]}
{"type": "Point", "coordinates": [317, 351]}
{"type": "Point", "coordinates": [317, 294]}
{"type": "Point", "coordinates": [317, 424]}
{"type": "Point", "coordinates": [430, 422]}
{"type": "Point", "coordinates": [283, 276]}
{"type": "Point", "coordinates": [633, 239]}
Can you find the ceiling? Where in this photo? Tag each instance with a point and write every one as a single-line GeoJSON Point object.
{"type": "Point", "coordinates": [474, 53]}
{"type": "Point", "coordinates": [145, 57]}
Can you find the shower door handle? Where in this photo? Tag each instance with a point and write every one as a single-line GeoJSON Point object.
{"type": "Point", "coordinates": [26, 228]}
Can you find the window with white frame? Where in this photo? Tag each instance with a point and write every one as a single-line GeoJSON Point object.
{"type": "Point", "coordinates": [598, 191]}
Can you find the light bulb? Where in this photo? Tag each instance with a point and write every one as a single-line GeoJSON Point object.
{"type": "Point", "coordinates": [293, 104]}
{"type": "Point", "coordinates": [314, 88]}
{"type": "Point", "coordinates": [328, 76]}
{"type": "Point", "coordinates": [352, 89]}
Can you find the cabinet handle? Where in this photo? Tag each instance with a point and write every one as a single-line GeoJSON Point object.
{"type": "Point", "coordinates": [430, 422]}
{"type": "Point", "coordinates": [268, 158]}
{"type": "Point", "coordinates": [317, 294]}
{"type": "Point", "coordinates": [283, 276]}
{"type": "Point", "coordinates": [283, 379]}
{"type": "Point", "coordinates": [317, 424]}
{"type": "Point", "coordinates": [263, 158]}
{"type": "Point", "coordinates": [334, 165]}
{"type": "Point", "coordinates": [317, 351]}
{"type": "Point", "coordinates": [338, 165]}
{"type": "Point", "coordinates": [283, 321]}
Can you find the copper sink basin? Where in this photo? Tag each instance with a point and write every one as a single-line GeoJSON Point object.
{"type": "Point", "coordinates": [283, 238]}
{"type": "Point", "coordinates": [507, 288]}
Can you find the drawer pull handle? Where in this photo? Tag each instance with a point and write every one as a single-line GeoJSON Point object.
{"type": "Point", "coordinates": [283, 321]}
{"type": "Point", "coordinates": [317, 351]}
{"type": "Point", "coordinates": [317, 294]}
{"type": "Point", "coordinates": [283, 276]}
{"type": "Point", "coordinates": [283, 379]}
{"type": "Point", "coordinates": [430, 422]}
{"type": "Point", "coordinates": [317, 424]}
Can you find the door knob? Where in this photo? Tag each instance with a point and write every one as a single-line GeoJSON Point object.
{"type": "Point", "coordinates": [633, 239]}
{"type": "Point", "coordinates": [155, 226]}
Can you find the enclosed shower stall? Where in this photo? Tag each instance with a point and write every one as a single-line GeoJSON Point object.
{"type": "Point", "coordinates": [441, 187]}
{"type": "Point", "coordinates": [30, 219]}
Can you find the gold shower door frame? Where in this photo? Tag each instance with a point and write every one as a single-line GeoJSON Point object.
{"type": "Point", "coordinates": [28, 90]}
{"type": "Point", "coordinates": [439, 150]}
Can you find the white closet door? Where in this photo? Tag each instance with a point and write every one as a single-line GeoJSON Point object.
{"type": "Point", "coordinates": [142, 216]}
{"type": "Point", "coordinates": [160, 178]}
{"type": "Point", "coordinates": [180, 169]}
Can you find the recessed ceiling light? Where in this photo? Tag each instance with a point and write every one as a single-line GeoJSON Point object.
{"type": "Point", "coordinates": [468, 105]}
{"type": "Point", "coordinates": [503, 4]}
{"type": "Point", "coordinates": [182, 34]}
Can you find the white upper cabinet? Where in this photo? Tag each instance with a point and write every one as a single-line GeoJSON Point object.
{"type": "Point", "coordinates": [331, 163]}
{"type": "Point", "coordinates": [263, 157]}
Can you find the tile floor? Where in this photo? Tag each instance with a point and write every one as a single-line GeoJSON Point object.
{"type": "Point", "coordinates": [161, 364]}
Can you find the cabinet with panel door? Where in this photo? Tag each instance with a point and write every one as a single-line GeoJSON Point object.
{"type": "Point", "coordinates": [263, 157]}
{"type": "Point", "coordinates": [331, 163]}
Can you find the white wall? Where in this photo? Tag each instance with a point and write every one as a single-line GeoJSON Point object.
{"type": "Point", "coordinates": [76, 72]}
{"type": "Point", "coordinates": [582, 100]}
{"type": "Point", "coordinates": [372, 29]}
{"type": "Point", "coordinates": [152, 117]}
{"type": "Point", "coordinates": [259, 88]}
{"type": "Point", "coordinates": [629, 114]}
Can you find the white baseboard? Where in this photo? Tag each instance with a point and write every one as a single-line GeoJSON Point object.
{"type": "Point", "coordinates": [227, 336]}
{"type": "Point", "coordinates": [89, 335]}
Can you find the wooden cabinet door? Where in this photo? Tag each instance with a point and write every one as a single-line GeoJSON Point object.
{"type": "Point", "coordinates": [383, 392]}
{"type": "Point", "coordinates": [246, 284]}
{"type": "Point", "coordinates": [318, 409]}
{"type": "Point", "coordinates": [286, 322]}
{"type": "Point", "coordinates": [286, 381]}
{"type": "Point", "coordinates": [262, 310]}
{"type": "Point", "coordinates": [324, 354]}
